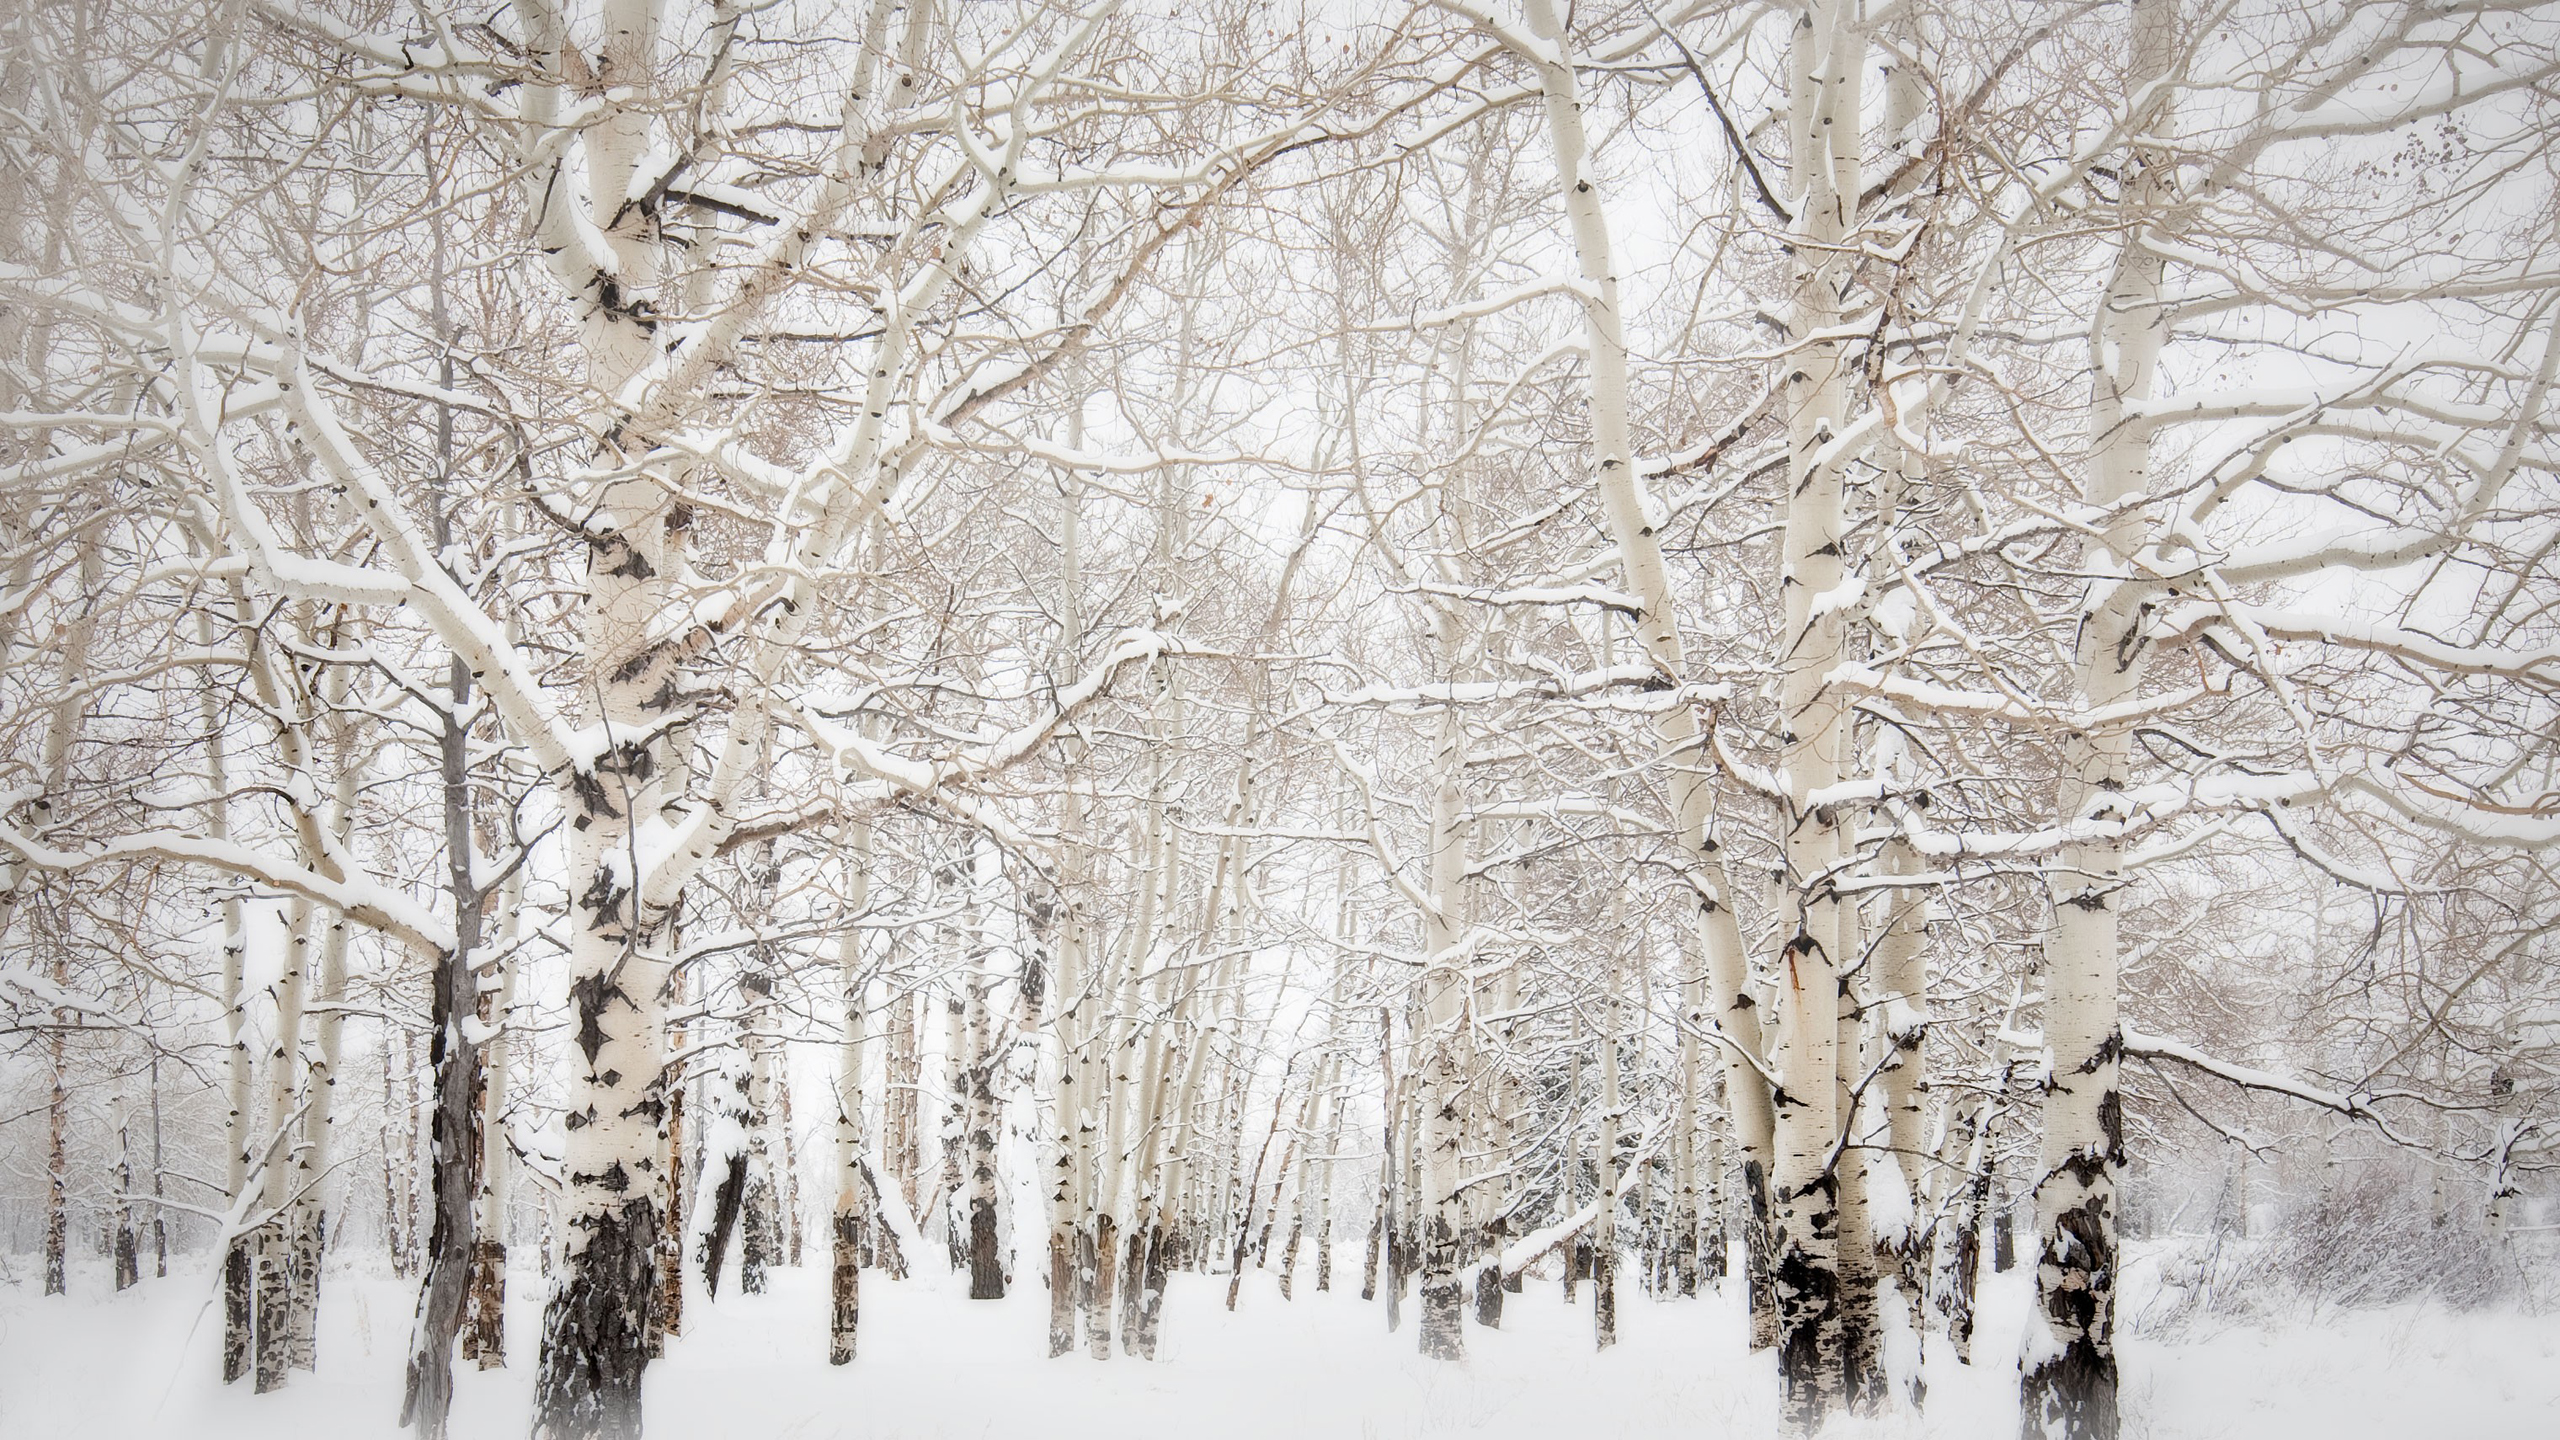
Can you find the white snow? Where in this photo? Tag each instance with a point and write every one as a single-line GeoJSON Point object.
{"type": "Point", "coordinates": [935, 1364]}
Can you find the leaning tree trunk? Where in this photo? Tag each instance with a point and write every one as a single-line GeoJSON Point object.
{"type": "Point", "coordinates": [1629, 512]}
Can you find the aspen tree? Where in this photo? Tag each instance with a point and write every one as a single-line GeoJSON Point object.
{"type": "Point", "coordinates": [270, 1252]}
{"type": "Point", "coordinates": [484, 1333]}
{"type": "Point", "coordinates": [1632, 517]}
{"type": "Point", "coordinates": [127, 1257]}
{"type": "Point", "coordinates": [2067, 1368]}
{"type": "Point", "coordinates": [851, 1213]}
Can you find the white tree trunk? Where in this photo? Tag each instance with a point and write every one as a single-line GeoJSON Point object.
{"type": "Point", "coordinates": [852, 1204]}
{"type": "Point", "coordinates": [1443, 1048]}
{"type": "Point", "coordinates": [1631, 516]}
{"type": "Point", "coordinates": [2068, 1367]}
{"type": "Point", "coordinates": [274, 1268]}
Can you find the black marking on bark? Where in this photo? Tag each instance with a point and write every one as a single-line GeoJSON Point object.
{"type": "Point", "coordinates": [588, 996]}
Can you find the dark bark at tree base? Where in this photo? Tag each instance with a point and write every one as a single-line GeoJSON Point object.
{"type": "Point", "coordinates": [2071, 1396]}
{"type": "Point", "coordinates": [595, 1330]}
{"type": "Point", "coordinates": [1862, 1374]}
{"type": "Point", "coordinates": [1062, 1293]}
{"type": "Point", "coordinates": [725, 1203]}
{"type": "Point", "coordinates": [844, 1310]}
{"type": "Point", "coordinates": [309, 1228]}
{"type": "Point", "coordinates": [452, 1147]}
{"type": "Point", "coordinates": [986, 1263]}
{"type": "Point", "coordinates": [1289, 1257]}
{"type": "Point", "coordinates": [1964, 1273]}
{"type": "Point", "coordinates": [1369, 1264]}
{"type": "Point", "coordinates": [1133, 1284]}
{"type": "Point", "coordinates": [1489, 1295]}
{"type": "Point", "coordinates": [239, 1310]}
{"type": "Point", "coordinates": [274, 1330]}
{"type": "Point", "coordinates": [1444, 1320]}
{"type": "Point", "coordinates": [1806, 1282]}
{"type": "Point", "coordinates": [760, 1237]}
{"type": "Point", "coordinates": [484, 1323]}
{"type": "Point", "coordinates": [1604, 1296]}
{"type": "Point", "coordinates": [668, 1317]}
{"type": "Point", "coordinates": [1106, 1268]}
{"type": "Point", "coordinates": [1151, 1299]}
{"type": "Point", "coordinates": [1863, 1382]}
{"type": "Point", "coordinates": [1755, 1256]}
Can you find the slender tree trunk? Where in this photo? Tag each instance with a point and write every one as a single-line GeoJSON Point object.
{"type": "Point", "coordinates": [394, 1116]}
{"type": "Point", "coordinates": [273, 1256]}
{"type": "Point", "coordinates": [1604, 1228]}
{"type": "Point", "coordinates": [787, 1183]}
{"type": "Point", "coordinates": [307, 1222]}
{"type": "Point", "coordinates": [453, 1060]}
{"type": "Point", "coordinates": [852, 1212]}
{"type": "Point", "coordinates": [1960, 1246]}
{"type": "Point", "coordinates": [760, 1224]}
{"type": "Point", "coordinates": [453, 1057]}
{"type": "Point", "coordinates": [239, 1306]}
{"type": "Point", "coordinates": [986, 1261]}
{"type": "Point", "coordinates": [159, 1212]}
{"type": "Point", "coordinates": [1899, 961]}
{"type": "Point", "coordinates": [682, 1183]}
{"type": "Point", "coordinates": [57, 1219]}
{"type": "Point", "coordinates": [1683, 1239]}
{"type": "Point", "coordinates": [484, 1337]}
{"type": "Point", "coordinates": [1863, 1381]}
{"type": "Point", "coordinates": [1382, 1227]}
{"type": "Point", "coordinates": [1072, 1131]}
{"type": "Point", "coordinates": [1106, 1271]}
{"type": "Point", "coordinates": [1443, 1046]}
{"type": "Point", "coordinates": [127, 1254]}
{"type": "Point", "coordinates": [905, 1142]}
{"type": "Point", "coordinates": [1569, 1189]}
{"type": "Point", "coordinates": [950, 1189]}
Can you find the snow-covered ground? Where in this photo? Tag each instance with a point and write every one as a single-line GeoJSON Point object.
{"type": "Point", "coordinates": [935, 1364]}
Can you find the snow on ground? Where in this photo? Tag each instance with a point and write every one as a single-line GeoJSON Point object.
{"type": "Point", "coordinates": [935, 1364]}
